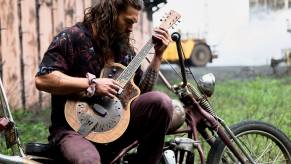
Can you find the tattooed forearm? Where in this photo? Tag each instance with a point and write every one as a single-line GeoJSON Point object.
{"type": "Point", "coordinates": [148, 81]}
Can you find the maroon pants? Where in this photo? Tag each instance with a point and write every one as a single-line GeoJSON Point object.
{"type": "Point", "coordinates": [151, 114]}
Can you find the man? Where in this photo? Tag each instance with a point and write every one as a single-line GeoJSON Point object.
{"type": "Point", "coordinates": [102, 38]}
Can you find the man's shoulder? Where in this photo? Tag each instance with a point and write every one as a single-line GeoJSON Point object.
{"type": "Point", "coordinates": [77, 29]}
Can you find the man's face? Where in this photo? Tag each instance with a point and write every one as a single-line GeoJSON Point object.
{"type": "Point", "coordinates": [126, 20]}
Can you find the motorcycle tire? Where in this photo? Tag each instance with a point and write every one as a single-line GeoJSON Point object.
{"type": "Point", "coordinates": [264, 142]}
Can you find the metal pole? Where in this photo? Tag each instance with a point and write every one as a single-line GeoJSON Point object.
{"type": "Point", "coordinates": [16, 148]}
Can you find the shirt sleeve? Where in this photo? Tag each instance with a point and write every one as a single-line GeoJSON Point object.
{"type": "Point", "coordinates": [59, 55]}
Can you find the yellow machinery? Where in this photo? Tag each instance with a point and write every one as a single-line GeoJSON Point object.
{"type": "Point", "coordinates": [196, 51]}
{"type": "Point", "coordinates": [286, 58]}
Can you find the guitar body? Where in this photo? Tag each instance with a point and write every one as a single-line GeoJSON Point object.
{"type": "Point", "coordinates": [102, 120]}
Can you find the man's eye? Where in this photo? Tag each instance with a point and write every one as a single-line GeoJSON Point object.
{"type": "Point", "coordinates": [129, 21]}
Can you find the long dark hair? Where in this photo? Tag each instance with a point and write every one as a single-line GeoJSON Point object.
{"type": "Point", "coordinates": [102, 17]}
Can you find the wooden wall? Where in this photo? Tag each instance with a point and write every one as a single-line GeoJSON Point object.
{"type": "Point", "coordinates": [26, 30]}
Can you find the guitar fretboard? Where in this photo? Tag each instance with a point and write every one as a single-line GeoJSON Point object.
{"type": "Point", "coordinates": [128, 73]}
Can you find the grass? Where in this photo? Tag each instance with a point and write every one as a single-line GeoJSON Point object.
{"type": "Point", "coordinates": [31, 127]}
{"type": "Point", "coordinates": [264, 98]}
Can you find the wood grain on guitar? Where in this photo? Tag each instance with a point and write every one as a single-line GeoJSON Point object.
{"type": "Point", "coordinates": [104, 120]}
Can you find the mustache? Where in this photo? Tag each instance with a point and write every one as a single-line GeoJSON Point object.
{"type": "Point", "coordinates": [121, 37]}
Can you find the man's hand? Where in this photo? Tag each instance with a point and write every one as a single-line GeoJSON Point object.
{"type": "Point", "coordinates": [106, 87]}
{"type": "Point", "coordinates": [161, 39]}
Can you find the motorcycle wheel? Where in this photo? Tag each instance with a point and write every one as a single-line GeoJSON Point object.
{"type": "Point", "coordinates": [264, 142]}
{"type": "Point", "coordinates": [200, 55]}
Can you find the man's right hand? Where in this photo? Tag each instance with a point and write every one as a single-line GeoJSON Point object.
{"type": "Point", "coordinates": [106, 87]}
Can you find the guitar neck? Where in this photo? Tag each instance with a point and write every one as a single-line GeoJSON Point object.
{"type": "Point", "coordinates": [129, 71]}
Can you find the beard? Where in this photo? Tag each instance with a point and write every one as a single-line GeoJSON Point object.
{"type": "Point", "coordinates": [121, 45]}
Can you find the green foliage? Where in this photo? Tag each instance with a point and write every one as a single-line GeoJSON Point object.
{"type": "Point", "coordinates": [265, 99]}
{"type": "Point", "coordinates": [31, 127]}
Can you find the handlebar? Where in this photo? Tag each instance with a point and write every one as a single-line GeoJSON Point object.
{"type": "Point", "coordinates": [177, 38]}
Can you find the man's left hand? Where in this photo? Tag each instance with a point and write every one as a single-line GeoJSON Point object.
{"type": "Point", "coordinates": [161, 39]}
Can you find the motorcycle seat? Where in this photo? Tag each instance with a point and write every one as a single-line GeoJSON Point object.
{"type": "Point", "coordinates": [38, 149]}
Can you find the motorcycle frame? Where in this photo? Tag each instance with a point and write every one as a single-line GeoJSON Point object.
{"type": "Point", "coordinates": [199, 119]}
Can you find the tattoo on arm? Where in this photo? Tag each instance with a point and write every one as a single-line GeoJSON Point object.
{"type": "Point", "coordinates": [148, 80]}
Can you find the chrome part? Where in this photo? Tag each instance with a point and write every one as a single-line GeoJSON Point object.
{"type": "Point", "coordinates": [206, 84]}
{"type": "Point", "coordinates": [187, 144]}
{"type": "Point", "coordinates": [203, 99]}
{"type": "Point", "coordinates": [15, 160]}
{"type": "Point", "coordinates": [169, 157]}
{"type": "Point", "coordinates": [178, 117]}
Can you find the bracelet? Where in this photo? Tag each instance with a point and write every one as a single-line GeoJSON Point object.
{"type": "Point", "coordinates": [92, 84]}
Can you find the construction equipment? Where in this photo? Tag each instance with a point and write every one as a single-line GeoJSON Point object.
{"type": "Point", "coordinates": [197, 52]}
{"type": "Point", "coordinates": [286, 58]}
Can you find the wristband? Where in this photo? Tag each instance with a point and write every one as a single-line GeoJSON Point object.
{"type": "Point", "coordinates": [92, 84]}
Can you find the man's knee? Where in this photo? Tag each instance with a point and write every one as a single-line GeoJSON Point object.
{"type": "Point", "coordinates": [76, 149]}
{"type": "Point", "coordinates": [163, 101]}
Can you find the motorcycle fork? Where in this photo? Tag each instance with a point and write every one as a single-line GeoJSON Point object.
{"type": "Point", "coordinates": [198, 114]}
{"type": "Point", "coordinates": [192, 121]}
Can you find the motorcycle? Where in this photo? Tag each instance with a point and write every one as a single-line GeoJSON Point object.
{"type": "Point", "coordinates": [194, 118]}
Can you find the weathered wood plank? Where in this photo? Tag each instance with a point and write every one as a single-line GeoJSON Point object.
{"type": "Point", "coordinates": [58, 16]}
{"type": "Point", "coordinates": [69, 12]}
{"type": "Point", "coordinates": [46, 34]}
{"type": "Point", "coordinates": [45, 24]}
{"type": "Point", "coordinates": [30, 56]}
{"type": "Point", "coordinates": [1, 28]}
{"type": "Point", "coordinates": [79, 11]}
{"type": "Point", "coordinates": [87, 3]}
{"type": "Point", "coordinates": [11, 51]}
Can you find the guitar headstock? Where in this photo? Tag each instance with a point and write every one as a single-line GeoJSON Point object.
{"type": "Point", "coordinates": [170, 19]}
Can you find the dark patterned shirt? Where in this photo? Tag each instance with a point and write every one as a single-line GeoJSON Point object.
{"type": "Point", "coordinates": [72, 53]}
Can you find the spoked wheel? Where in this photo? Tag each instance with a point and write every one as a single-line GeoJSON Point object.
{"type": "Point", "coordinates": [264, 142]}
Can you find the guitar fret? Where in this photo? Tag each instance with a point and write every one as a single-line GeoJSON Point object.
{"type": "Point", "coordinates": [128, 73]}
